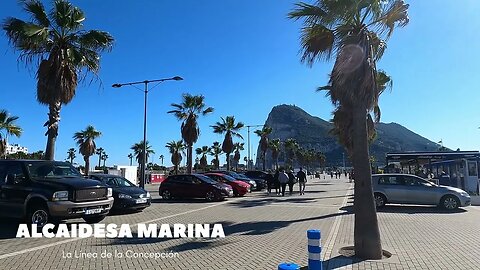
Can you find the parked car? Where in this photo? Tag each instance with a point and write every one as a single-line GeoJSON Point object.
{"type": "Point", "coordinates": [240, 188]}
{"type": "Point", "coordinates": [253, 183]}
{"type": "Point", "coordinates": [260, 183]}
{"type": "Point", "coordinates": [260, 175]}
{"type": "Point", "coordinates": [48, 191]}
{"type": "Point", "coordinates": [193, 186]}
{"type": "Point", "coordinates": [411, 189]}
{"type": "Point", "coordinates": [127, 196]}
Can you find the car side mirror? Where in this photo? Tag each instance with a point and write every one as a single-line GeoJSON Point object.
{"type": "Point", "coordinates": [10, 179]}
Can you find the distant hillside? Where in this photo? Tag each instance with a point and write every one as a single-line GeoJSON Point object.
{"type": "Point", "coordinates": [289, 121]}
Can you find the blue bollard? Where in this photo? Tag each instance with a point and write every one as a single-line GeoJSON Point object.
{"type": "Point", "coordinates": [288, 266]}
{"type": "Point", "coordinates": [314, 250]}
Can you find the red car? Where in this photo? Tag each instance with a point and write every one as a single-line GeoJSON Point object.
{"type": "Point", "coordinates": [240, 188]}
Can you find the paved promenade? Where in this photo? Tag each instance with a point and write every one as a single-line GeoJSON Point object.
{"type": "Point", "coordinates": [262, 231]}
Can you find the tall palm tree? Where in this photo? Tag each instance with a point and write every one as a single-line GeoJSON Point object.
{"type": "Point", "coordinates": [203, 151]}
{"type": "Point", "coordinates": [86, 141]}
{"type": "Point", "coordinates": [355, 33]}
{"type": "Point", "coordinates": [7, 127]}
{"type": "Point", "coordinates": [236, 158]}
{"type": "Point", "coordinates": [100, 151]}
{"type": "Point", "coordinates": [161, 158]}
{"type": "Point", "coordinates": [138, 152]}
{"type": "Point", "coordinates": [291, 147]}
{"type": "Point", "coordinates": [130, 156]}
{"type": "Point", "coordinates": [263, 134]}
{"type": "Point", "coordinates": [176, 148]}
{"type": "Point", "coordinates": [71, 154]}
{"type": "Point", "coordinates": [275, 146]}
{"type": "Point", "coordinates": [215, 151]}
{"type": "Point", "coordinates": [188, 112]}
{"type": "Point", "coordinates": [230, 129]}
{"type": "Point", "coordinates": [66, 53]}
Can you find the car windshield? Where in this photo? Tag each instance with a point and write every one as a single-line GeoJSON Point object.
{"type": "Point", "coordinates": [47, 169]}
{"type": "Point", "coordinates": [116, 181]}
{"type": "Point", "coordinates": [207, 179]}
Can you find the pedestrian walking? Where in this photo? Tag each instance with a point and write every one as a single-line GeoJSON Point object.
{"type": "Point", "coordinates": [270, 182]}
{"type": "Point", "coordinates": [283, 180]}
{"type": "Point", "coordinates": [302, 180]}
{"type": "Point", "coordinates": [276, 183]}
{"type": "Point", "coordinates": [291, 181]}
{"type": "Point", "coordinates": [331, 174]}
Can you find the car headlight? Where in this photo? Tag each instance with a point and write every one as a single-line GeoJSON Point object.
{"type": "Point", "coordinates": [464, 194]}
{"type": "Point", "coordinates": [253, 183]}
{"type": "Point", "coordinates": [124, 196]}
{"type": "Point", "coordinates": [148, 194]}
{"type": "Point", "coordinates": [60, 196]}
{"type": "Point", "coordinates": [109, 192]}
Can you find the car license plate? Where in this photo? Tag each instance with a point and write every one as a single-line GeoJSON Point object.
{"type": "Point", "coordinates": [93, 211]}
{"type": "Point", "coordinates": [137, 201]}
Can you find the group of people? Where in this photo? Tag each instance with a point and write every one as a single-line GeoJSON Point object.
{"type": "Point", "coordinates": [283, 177]}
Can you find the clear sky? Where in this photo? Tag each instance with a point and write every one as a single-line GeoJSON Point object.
{"type": "Point", "coordinates": [243, 57]}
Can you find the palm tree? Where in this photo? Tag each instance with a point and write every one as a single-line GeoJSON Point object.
{"type": "Point", "coordinates": [275, 145]}
{"type": "Point", "coordinates": [100, 151]}
{"type": "Point", "coordinates": [176, 149]}
{"type": "Point", "coordinates": [291, 147]}
{"type": "Point", "coordinates": [188, 112]}
{"type": "Point", "coordinates": [215, 151]}
{"type": "Point", "coordinates": [138, 152]}
{"type": "Point", "coordinates": [71, 154]}
{"type": "Point", "coordinates": [104, 158]}
{"type": "Point", "coordinates": [7, 127]}
{"type": "Point", "coordinates": [130, 156]}
{"type": "Point", "coordinates": [355, 33]}
{"type": "Point", "coordinates": [236, 158]}
{"type": "Point", "coordinates": [161, 158]}
{"type": "Point", "coordinates": [66, 53]}
{"type": "Point", "coordinates": [230, 129]}
{"type": "Point", "coordinates": [263, 133]}
{"type": "Point", "coordinates": [86, 141]}
{"type": "Point", "coordinates": [203, 151]}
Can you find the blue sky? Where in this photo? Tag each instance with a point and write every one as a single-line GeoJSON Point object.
{"type": "Point", "coordinates": [243, 56]}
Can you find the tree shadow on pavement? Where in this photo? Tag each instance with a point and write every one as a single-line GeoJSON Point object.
{"type": "Point", "coordinates": [180, 200]}
{"type": "Point", "coordinates": [265, 227]}
{"type": "Point", "coordinates": [268, 201]}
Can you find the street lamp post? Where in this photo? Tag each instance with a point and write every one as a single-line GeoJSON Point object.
{"type": "Point", "coordinates": [248, 139]}
{"type": "Point", "coordinates": [146, 82]}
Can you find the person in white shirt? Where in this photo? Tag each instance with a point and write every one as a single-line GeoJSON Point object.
{"type": "Point", "coordinates": [283, 179]}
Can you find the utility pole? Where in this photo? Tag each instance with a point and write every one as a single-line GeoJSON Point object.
{"type": "Point", "coordinates": [248, 139]}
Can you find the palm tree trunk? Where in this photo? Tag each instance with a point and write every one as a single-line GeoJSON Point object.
{"type": "Point", "coordinates": [189, 159]}
{"type": "Point", "coordinates": [366, 232]}
{"type": "Point", "coordinates": [264, 160]}
{"type": "Point", "coordinates": [228, 161]}
{"type": "Point", "coordinates": [99, 160]}
{"type": "Point", "coordinates": [130, 161]}
{"type": "Point", "coordinates": [87, 164]}
{"type": "Point", "coordinates": [52, 129]}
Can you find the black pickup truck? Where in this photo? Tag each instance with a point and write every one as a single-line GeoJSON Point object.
{"type": "Point", "coordinates": [49, 191]}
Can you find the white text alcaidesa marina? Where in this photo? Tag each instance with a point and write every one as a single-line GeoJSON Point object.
{"type": "Point", "coordinates": [121, 231]}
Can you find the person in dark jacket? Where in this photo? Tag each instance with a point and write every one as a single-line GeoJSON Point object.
{"type": "Point", "coordinates": [302, 179]}
{"type": "Point", "coordinates": [270, 180]}
{"type": "Point", "coordinates": [276, 183]}
{"type": "Point", "coordinates": [291, 181]}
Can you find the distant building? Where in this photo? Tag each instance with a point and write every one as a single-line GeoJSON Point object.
{"type": "Point", "coordinates": [15, 148]}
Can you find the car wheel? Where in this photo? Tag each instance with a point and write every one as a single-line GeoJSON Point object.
{"type": "Point", "coordinates": [450, 202]}
{"type": "Point", "coordinates": [166, 195]}
{"type": "Point", "coordinates": [210, 196]}
{"type": "Point", "coordinates": [92, 220]}
{"type": "Point", "coordinates": [38, 215]}
{"type": "Point", "coordinates": [380, 200]}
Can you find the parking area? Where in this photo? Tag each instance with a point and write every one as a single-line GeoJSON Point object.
{"type": "Point", "coordinates": [262, 231]}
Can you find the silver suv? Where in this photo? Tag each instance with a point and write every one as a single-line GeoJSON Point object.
{"type": "Point", "coordinates": [411, 189]}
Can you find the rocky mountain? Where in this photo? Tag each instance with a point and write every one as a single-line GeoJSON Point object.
{"type": "Point", "coordinates": [289, 121]}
